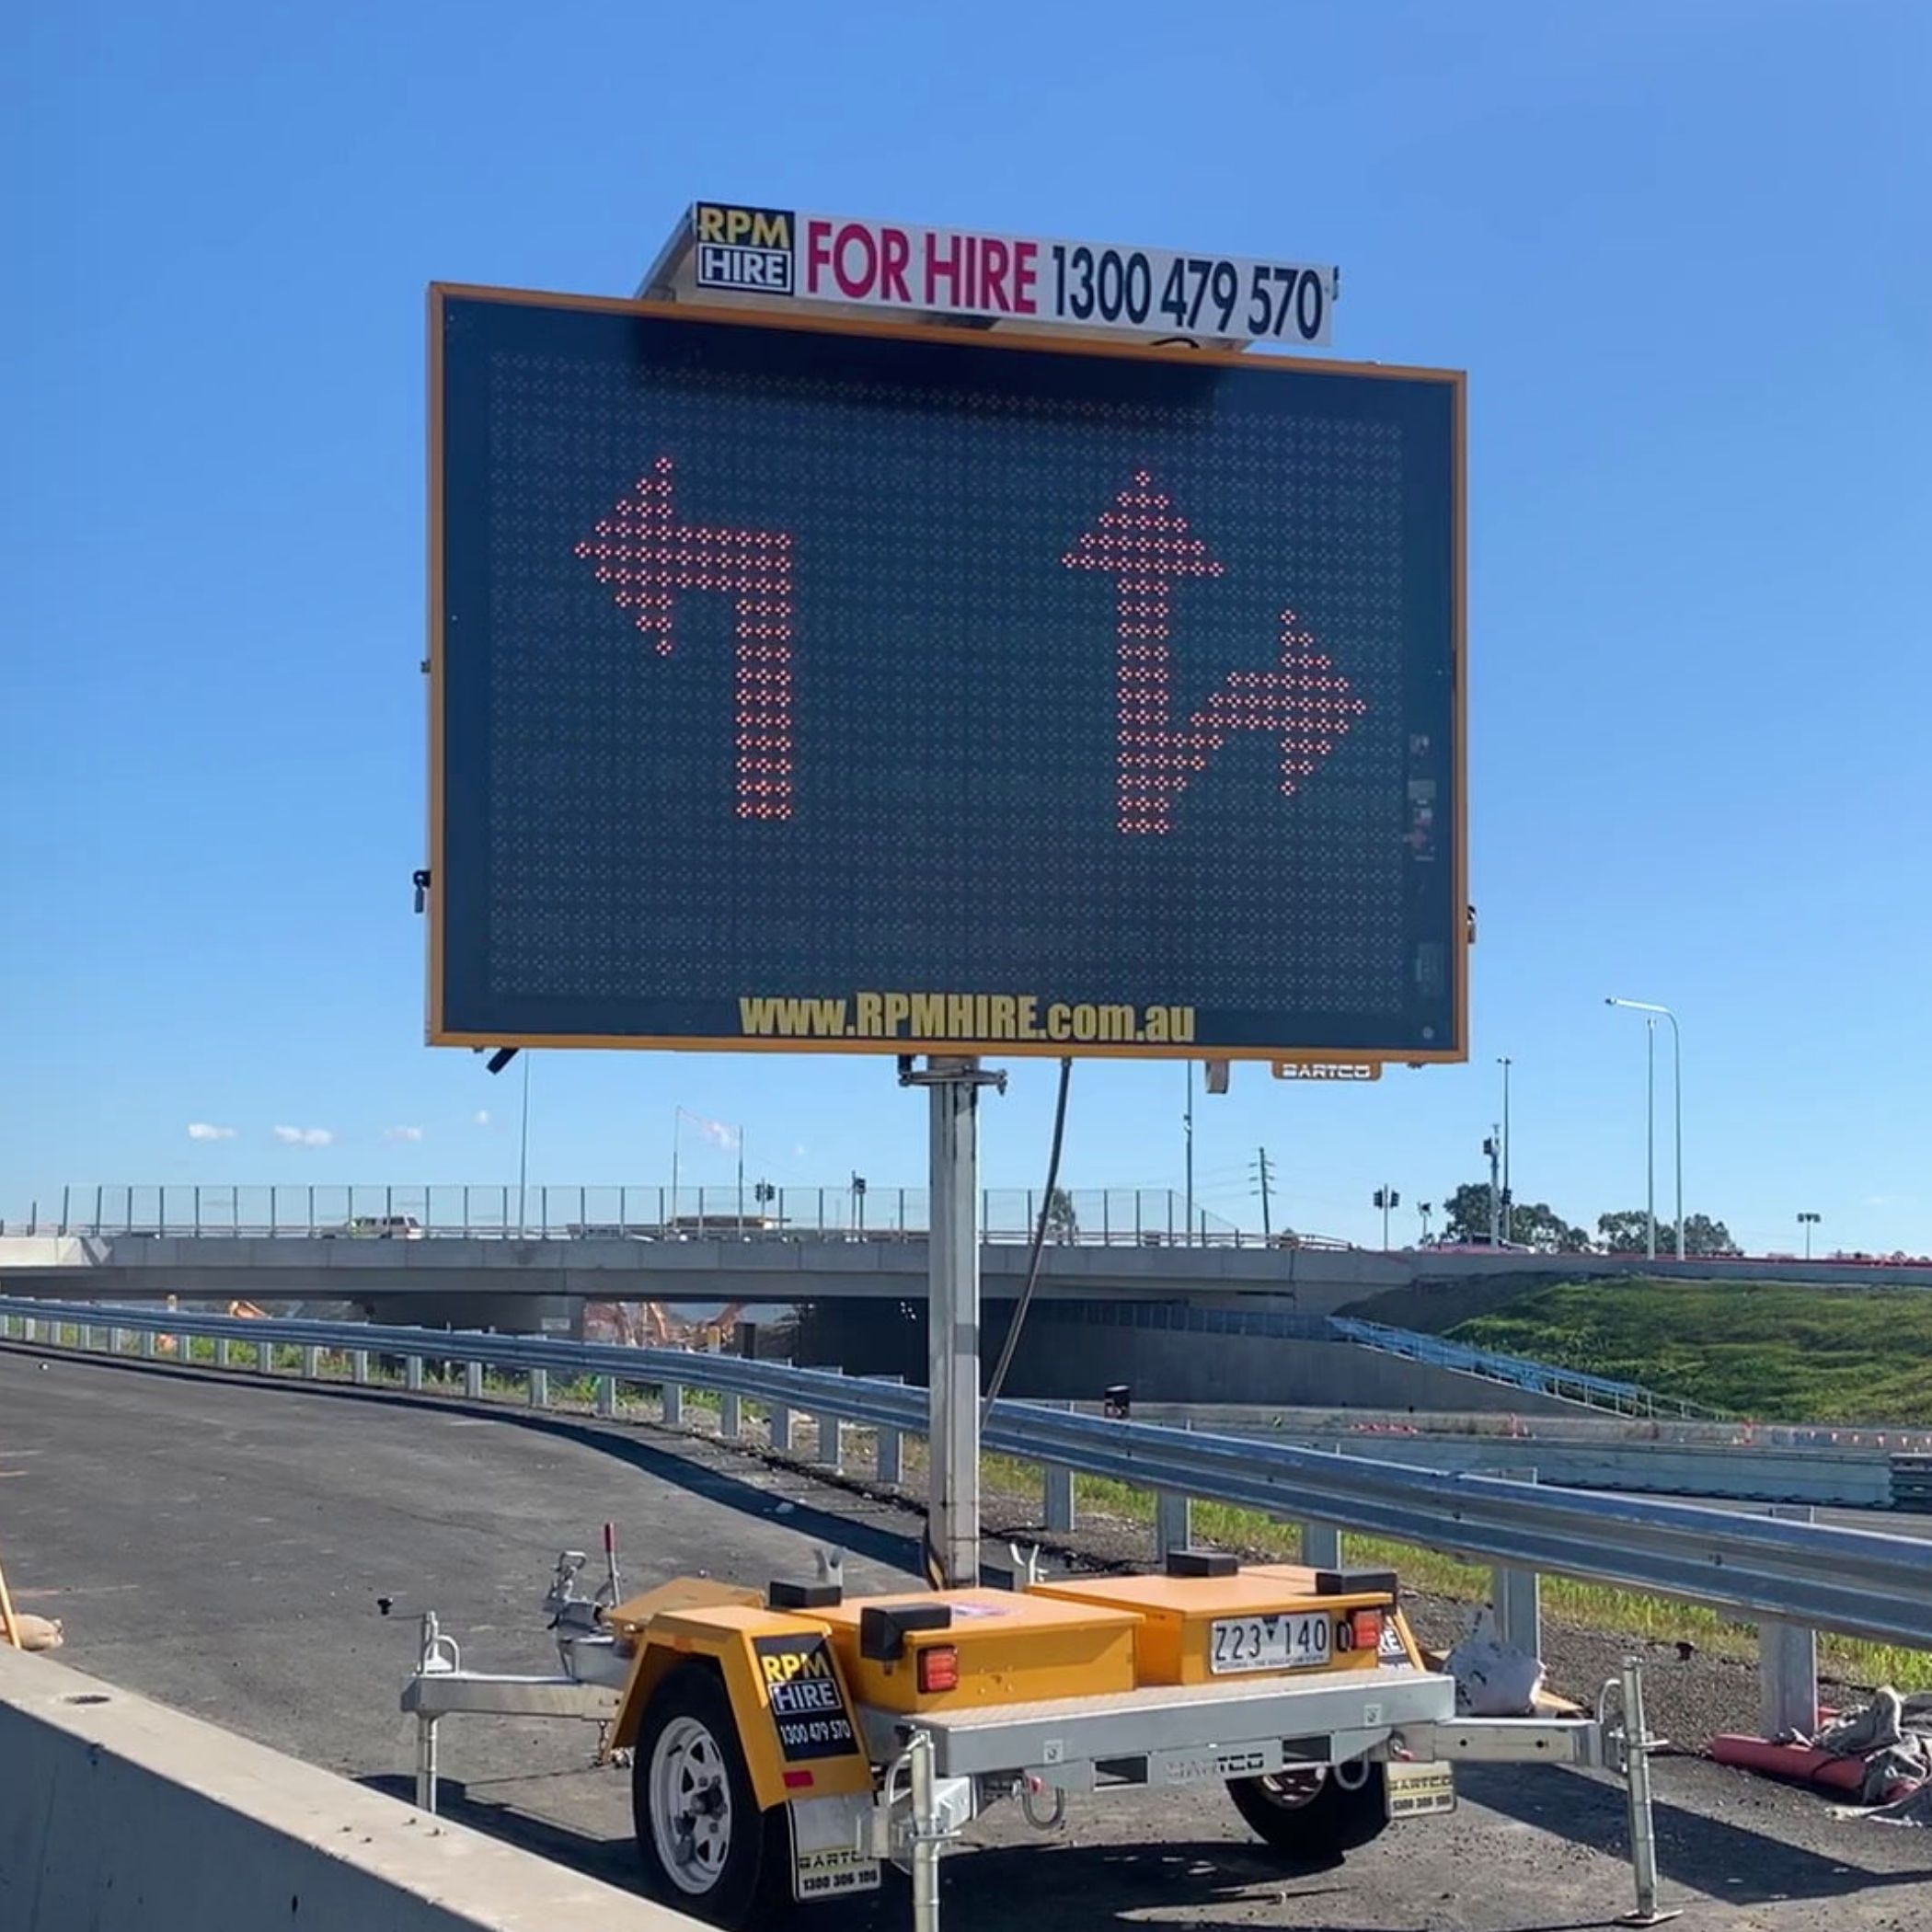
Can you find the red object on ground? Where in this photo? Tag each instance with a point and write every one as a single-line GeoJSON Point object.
{"type": "Point", "coordinates": [1799, 1762]}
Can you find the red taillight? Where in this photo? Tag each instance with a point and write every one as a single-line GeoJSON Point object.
{"type": "Point", "coordinates": [1367, 1630]}
{"type": "Point", "coordinates": [939, 1668]}
{"type": "Point", "coordinates": [798, 1780]}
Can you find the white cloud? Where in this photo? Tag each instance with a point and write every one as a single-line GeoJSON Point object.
{"type": "Point", "coordinates": [483, 1117]}
{"type": "Point", "coordinates": [402, 1134]}
{"type": "Point", "coordinates": [202, 1130]}
{"type": "Point", "coordinates": [305, 1136]}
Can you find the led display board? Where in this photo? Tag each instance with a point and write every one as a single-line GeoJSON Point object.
{"type": "Point", "coordinates": [845, 687]}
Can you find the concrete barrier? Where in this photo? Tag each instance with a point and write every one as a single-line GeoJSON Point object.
{"type": "Point", "coordinates": [120, 1815]}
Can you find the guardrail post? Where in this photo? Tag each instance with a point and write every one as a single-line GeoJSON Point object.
{"type": "Point", "coordinates": [889, 1445]}
{"type": "Point", "coordinates": [780, 1427]}
{"type": "Point", "coordinates": [539, 1388]}
{"type": "Point", "coordinates": [117, 1340]}
{"type": "Point", "coordinates": [1057, 1499]}
{"type": "Point", "coordinates": [412, 1372]}
{"type": "Point", "coordinates": [1057, 1492]}
{"type": "Point", "coordinates": [359, 1367]}
{"type": "Point", "coordinates": [833, 1438]}
{"type": "Point", "coordinates": [1321, 1546]}
{"type": "Point", "coordinates": [1516, 1596]}
{"type": "Point", "coordinates": [311, 1363]}
{"type": "Point", "coordinates": [147, 1342]}
{"type": "Point", "coordinates": [673, 1405]}
{"type": "Point", "coordinates": [221, 1351]}
{"type": "Point", "coordinates": [606, 1394]}
{"type": "Point", "coordinates": [1787, 1663]}
{"type": "Point", "coordinates": [1173, 1524]}
{"type": "Point", "coordinates": [731, 1416]}
{"type": "Point", "coordinates": [472, 1381]}
{"type": "Point", "coordinates": [265, 1356]}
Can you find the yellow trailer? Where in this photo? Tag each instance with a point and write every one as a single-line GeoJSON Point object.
{"type": "Point", "coordinates": [785, 1744]}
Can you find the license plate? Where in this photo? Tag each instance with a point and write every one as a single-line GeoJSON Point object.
{"type": "Point", "coordinates": [1286, 1642]}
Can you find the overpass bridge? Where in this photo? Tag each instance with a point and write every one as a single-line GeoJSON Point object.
{"type": "Point", "coordinates": [1223, 1317]}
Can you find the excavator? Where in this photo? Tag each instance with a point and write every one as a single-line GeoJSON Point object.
{"type": "Point", "coordinates": [647, 1325]}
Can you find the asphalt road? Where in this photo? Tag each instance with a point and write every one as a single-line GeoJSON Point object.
{"type": "Point", "coordinates": [225, 1548]}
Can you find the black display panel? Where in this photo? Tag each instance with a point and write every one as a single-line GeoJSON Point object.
{"type": "Point", "coordinates": [830, 688]}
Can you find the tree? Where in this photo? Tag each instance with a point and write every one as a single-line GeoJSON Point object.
{"type": "Point", "coordinates": [1466, 1212]}
{"type": "Point", "coordinates": [1625, 1232]}
{"type": "Point", "coordinates": [1466, 1215]}
{"type": "Point", "coordinates": [1702, 1235]}
{"type": "Point", "coordinates": [1063, 1222]}
{"type": "Point", "coordinates": [1536, 1224]}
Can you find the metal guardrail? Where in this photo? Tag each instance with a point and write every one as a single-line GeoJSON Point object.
{"type": "Point", "coordinates": [1113, 1217]}
{"type": "Point", "coordinates": [1859, 1581]}
{"type": "Point", "coordinates": [1629, 1399]}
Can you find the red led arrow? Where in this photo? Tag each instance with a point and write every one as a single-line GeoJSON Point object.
{"type": "Point", "coordinates": [649, 556]}
{"type": "Point", "coordinates": [1142, 543]}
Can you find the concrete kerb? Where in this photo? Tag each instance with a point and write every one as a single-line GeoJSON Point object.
{"type": "Point", "coordinates": [274, 1841]}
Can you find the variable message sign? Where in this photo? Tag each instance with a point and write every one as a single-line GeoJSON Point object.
{"type": "Point", "coordinates": [846, 686]}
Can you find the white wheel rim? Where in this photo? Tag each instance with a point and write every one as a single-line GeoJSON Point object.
{"type": "Point", "coordinates": [690, 1806]}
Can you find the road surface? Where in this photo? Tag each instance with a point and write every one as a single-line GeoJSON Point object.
{"type": "Point", "coordinates": [228, 1549]}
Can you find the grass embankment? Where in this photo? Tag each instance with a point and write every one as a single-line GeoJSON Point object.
{"type": "Point", "coordinates": [1771, 1352]}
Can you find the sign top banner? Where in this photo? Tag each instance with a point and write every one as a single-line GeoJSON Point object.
{"type": "Point", "coordinates": [784, 256]}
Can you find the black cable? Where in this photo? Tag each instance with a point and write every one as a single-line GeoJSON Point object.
{"type": "Point", "coordinates": [1039, 1228]}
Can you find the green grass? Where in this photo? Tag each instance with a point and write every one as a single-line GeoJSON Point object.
{"type": "Point", "coordinates": [1773, 1353]}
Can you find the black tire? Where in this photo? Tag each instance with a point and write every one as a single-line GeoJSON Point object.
{"type": "Point", "coordinates": [1312, 1817]}
{"type": "Point", "coordinates": [736, 1876]}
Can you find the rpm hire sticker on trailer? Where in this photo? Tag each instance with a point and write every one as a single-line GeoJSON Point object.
{"type": "Point", "coordinates": [807, 1705]}
{"type": "Point", "coordinates": [968, 271]}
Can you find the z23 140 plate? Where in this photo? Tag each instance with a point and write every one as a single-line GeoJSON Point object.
{"type": "Point", "coordinates": [1289, 1640]}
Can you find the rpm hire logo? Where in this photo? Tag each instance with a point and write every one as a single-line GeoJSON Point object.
{"type": "Point", "coordinates": [742, 247]}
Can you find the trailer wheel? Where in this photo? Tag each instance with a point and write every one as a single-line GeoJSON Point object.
{"type": "Point", "coordinates": [705, 1846]}
{"type": "Point", "coordinates": [1311, 1816]}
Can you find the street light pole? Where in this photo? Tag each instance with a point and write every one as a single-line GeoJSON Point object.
{"type": "Point", "coordinates": [1642, 1005]}
{"type": "Point", "coordinates": [1188, 1120]}
{"type": "Point", "coordinates": [1508, 1204]}
{"type": "Point", "coordinates": [1808, 1222]}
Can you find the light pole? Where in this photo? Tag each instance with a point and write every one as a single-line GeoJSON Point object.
{"type": "Point", "coordinates": [1504, 1063]}
{"type": "Point", "coordinates": [1808, 1222]}
{"type": "Point", "coordinates": [1648, 1006]}
{"type": "Point", "coordinates": [1425, 1209]}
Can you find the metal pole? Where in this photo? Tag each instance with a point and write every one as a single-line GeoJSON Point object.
{"type": "Point", "coordinates": [952, 1531]}
{"type": "Point", "coordinates": [1188, 1068]}
{"type": "Point", "coordinates": [926, 1838]}
{"type": "Point", "coordinates": [523, 1159]}
{"type": "Point", "coordinates": [1508, 1205]}
{"type": "Point", "coordinates": [1649, 1142]}
{"type": "Point", "coordinates": [1638, 1743]}
{"type": "Point", "coordinates": [1677, 1130]}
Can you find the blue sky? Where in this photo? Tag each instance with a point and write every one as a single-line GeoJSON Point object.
{"type": "Point", "coordinates": [1681, 249]}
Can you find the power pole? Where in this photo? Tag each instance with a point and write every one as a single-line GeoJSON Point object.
{"type": "Point", "coordinates": [1265, 1174]}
